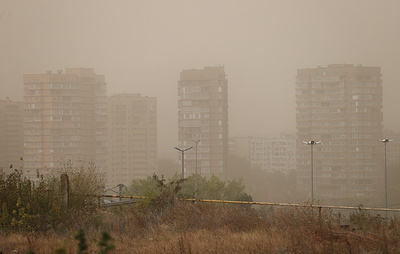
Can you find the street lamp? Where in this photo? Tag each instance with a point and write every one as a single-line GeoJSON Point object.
{"type": "Point", "coordinates": [183, 167]}
{"type": "Point", "coordinates": [312, 143]}
{"type": "Point", "coordinates": [195, 176]}
{"type": "Point", "coordinates": [385, 141]}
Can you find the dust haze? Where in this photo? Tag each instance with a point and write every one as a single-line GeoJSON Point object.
{"type": "Point", "coordinates": [142, 46]}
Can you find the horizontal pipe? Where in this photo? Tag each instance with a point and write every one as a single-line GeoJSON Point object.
{"type": "Point", "coordinates": [257, 203]}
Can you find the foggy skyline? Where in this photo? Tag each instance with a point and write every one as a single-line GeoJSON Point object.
{"type": "Point", "coordinates": [142, 46]}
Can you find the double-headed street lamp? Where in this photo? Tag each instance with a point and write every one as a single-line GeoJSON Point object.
{"type": "Point", "coordinates": [195, 176]}
{"type": "Point", "coordinates": [183, 150]}
{"type": "Point", "coordinates": [385, 141]}
{"type": "Point", "coordinates": [312, 143]}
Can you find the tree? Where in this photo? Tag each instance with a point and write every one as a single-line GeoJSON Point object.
{"type": "Point", "coordinates": [152, 186]}
{"type": "Point", "coordinates": [208, 188]}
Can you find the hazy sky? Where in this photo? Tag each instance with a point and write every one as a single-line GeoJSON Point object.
{"type": "Point", "coordinates": [141, 47]}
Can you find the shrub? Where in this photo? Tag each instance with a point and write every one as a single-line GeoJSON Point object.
{"type": "Point", "coordinates": [26, 206]}
{"type": "Point", "coordinates": [36, 205]}
{"type": "Point", "coordinates": [86, 180]}
{"type": "Point", "coordinates": [362, 219]}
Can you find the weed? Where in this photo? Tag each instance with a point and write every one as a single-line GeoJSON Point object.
{"type": "Point", "coordinates": [104, 244]}
{"type": "Point", "coordinates": [82, 246]}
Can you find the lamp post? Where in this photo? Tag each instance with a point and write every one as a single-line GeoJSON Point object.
{"type": "Point", "coordinates": [183, 150]}
{"type": "Point", "coordinates": [312, 143]}
{"type": "Point", "coordinates": [385, 141]}
{"type": "Point", "coordinates": [195, 176]}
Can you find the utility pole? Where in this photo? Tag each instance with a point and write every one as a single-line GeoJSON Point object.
{"type": "Point", "coordinates": [385, 141]}
{"type": "Point", "coordinates": [312, 143]}
{"type": "Point", "coordinates": [183, 167]}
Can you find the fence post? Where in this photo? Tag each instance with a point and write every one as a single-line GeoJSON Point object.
{"type": "Point", "coordinates": [65, 190]}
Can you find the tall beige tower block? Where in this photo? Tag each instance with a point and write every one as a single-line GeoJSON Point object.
{"type": "Point", "coordinates": [203, 115]}
{"type": "Point", "coordinates": [132, 132]}
{"type": "Point", "coordinates": [65, 119]}
{"type": "Point", "coordinates": [341, 106]}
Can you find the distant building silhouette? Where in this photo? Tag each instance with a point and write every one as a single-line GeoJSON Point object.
{"type": "Point", "coordinates": [203, 115]}
{"type": "Point", "coordinates": [65, 119]}
{"type": "Point", "coordinates": [11, 134]}
{"type": "Point", "coordinates": [270, 154]}
{"type": "Point", "coordinates": [132, 134]}
{"type": "Point", "coordinates": [340, 105]}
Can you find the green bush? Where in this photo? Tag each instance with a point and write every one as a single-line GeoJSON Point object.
{"type": "Point", "coordinates": [27, 205]}
{"type": "Point", "coordinates": [36, 205]}
{"type": "Point", "coordinates": [207, 188]}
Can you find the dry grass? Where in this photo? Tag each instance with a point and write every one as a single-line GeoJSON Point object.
{"type": "Point", "coordinates": [177, 227]}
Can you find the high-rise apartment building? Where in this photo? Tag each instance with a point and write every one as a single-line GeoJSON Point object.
{"type": "Point", "coordinates": [203, 115]}
{"type": "Point", "coordinates": [277, 154]}
{"type": "Point", "coordinates": [65, 119]}
{"type": "Point", "coordinates": [11, 135]}
{"type": "Point", "coordinates": [132, 133]}
{"type": "Point", "coordinates": [340, 105]}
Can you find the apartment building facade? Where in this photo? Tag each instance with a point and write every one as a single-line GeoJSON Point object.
{"type": "Point", "coordinates": [271, 154]}
{"type": "Point", "coordinates": [132, 133]}
{"type": "Point", "coordinates": [11, 135]}
{"type": "Point", "coordinates": [392, 148]}
{"type": "Point", "coordinates": [341, 106]}
{"type": "Point", "coordinates": [203, 115]}
{"type": "Point", "coordinates": [65, 119]}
